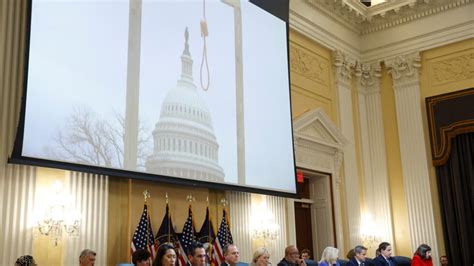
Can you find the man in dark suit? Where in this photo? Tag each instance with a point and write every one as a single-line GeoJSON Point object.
{"type": "Point", "coordinates": [231, 255]}
{"type": "Point", "coordinates": [359, 258]}
{"type": "Point", "coordinates": [292, 257]}
{"type": "Point", "coordinates": [197, 254]}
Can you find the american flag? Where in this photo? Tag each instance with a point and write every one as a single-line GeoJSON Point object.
{"type": "Point", "coordinates": [143, 237]}
{"type": "Point", "coordinates": [224, 238]}
{"type": "Point", "coordinates": [187, 238]}
{"type": "Point", "coordinates": [206, 235]}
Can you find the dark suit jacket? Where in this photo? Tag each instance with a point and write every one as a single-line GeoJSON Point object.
{"type": "Point", "coordinates": [367, 262]}
{"type": "Point", "coordinates": [284, 262]}
{"type": "Point", "coordinates": [380, 261]}
{"type": "Point", "coordinates": [224, 264]}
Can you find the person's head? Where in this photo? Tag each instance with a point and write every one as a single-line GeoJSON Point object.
{"type": "Point", "coordinates": [385, 249]}
{"type": "Point", "coordinates": [291, 254]}
{"type": "Point", "coordinates": [197, 254]}
{"type": "Point", "coordinates": [25, 260]}
{"type": "Point", "coordinates": [141, 257]}
{"type": "Point", "coordinates": [231, 254]}
{"type": "Point", "coordinates": [330, 255]}
{"type": "Point", "coordinates": [360, 253]}
{"type": "Point", "coordinates": [87, 258]}
{"type": "Point", "coordinates": [305, 254]}
{"type": "Point", "coordinates": [424, 251]}
{"type": "Point", "coordinates": [350, 254]}
{"type": "Point", "coordinates": [443, 260]}
{"type": "Point", "coordinates": [261, 257]}
{"type": "Point", "coordinates": [165, 256]}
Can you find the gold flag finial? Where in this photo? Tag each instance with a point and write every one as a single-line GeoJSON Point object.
{"type": "Point", "coordinates": [224, 202]}
{"type": "Point", "coordinates": [190, 198]}
{"type": "Point", "coordinates": [146, 195]}
{"type": "Point", "coordinates": [166, 197]}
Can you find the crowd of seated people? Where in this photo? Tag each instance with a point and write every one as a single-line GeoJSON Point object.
{"type": "Point", "coordinates": [166, 256]}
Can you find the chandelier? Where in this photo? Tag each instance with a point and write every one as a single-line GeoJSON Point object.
{"type": "Point", "coordinates": [57, 218]}
{"type": "Point", "coordinates": [262, 224]}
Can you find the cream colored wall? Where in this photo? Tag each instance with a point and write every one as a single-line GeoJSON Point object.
{"type": "Point", "coordinates": [444, 69]}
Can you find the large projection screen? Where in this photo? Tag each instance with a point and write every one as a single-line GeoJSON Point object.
{"type": "Point", "coordinates": [188, 92]}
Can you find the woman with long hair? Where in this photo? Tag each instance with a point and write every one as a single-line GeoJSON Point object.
{"type": "Point", "coordinates": [385, 255]}
{"type": "Point", "coordinates": [422, 256]}
{"type": "Point", "coordinates": [166, 256]}
{"type": "Point", "coordinates": [329, 257]}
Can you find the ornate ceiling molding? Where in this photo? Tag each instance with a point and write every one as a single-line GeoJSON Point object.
{"type": "Point", "coordinates": [364, 20]}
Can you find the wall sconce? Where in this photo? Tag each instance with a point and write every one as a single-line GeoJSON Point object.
{"type": "Point", "coordinates": [57, 218]}
{"type": "Point", "coordinates": [262, 224]}
{"type": "Point", "coordinates": [369, 232]}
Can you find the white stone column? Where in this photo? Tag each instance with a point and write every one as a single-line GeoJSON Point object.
{"type": "Point", "coordinates": [240, 207]}
{"type": "Point", "coordinates": [376, 183]}
{"type": "Point", "coordinates": [343, 66]}
{"type": "Point", "coordinates": [406, 85]}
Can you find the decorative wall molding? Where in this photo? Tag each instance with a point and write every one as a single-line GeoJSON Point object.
{"type": "Point", "coordinates": [323, 153]}
{"type": "Point", "coordinates": [405, 76]}
{"type": "Point", "coordinates": [361, 19]}
{"type": "Point", "coordinates": [309, 65]}
{"type": "Point", "coordinates": [453, 69]}
{"type": "Point", "coordinates": [432, 24]}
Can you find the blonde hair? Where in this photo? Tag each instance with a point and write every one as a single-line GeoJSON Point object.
{"type": "Point", "coordinates": [329, 255]}
{"type": "Point", "coordinates": [258, 253]}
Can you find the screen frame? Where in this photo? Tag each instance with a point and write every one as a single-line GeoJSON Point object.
{"type": "Point", "coordinates": [278, 8]}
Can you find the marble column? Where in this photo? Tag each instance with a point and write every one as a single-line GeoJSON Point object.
{"type": "Point", "coordinates": [344, 68]}
{"type": "Point", "coordinates": [406, 85]}
{"type": "Point", "coordinates": [376, 183]}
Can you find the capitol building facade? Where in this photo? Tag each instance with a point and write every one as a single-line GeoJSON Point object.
{"type": "Point", "coordinates": [184, 141]}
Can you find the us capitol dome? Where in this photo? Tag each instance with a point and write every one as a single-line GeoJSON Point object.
{"type": "Point", "coordinates": [184, 141]}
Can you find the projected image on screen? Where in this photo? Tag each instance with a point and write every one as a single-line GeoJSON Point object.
{"type": "Point", "coordinates": [186, 89]}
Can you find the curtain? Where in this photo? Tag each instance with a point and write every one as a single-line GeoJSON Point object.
{"type": "Point", "coordinates": [456, 191]}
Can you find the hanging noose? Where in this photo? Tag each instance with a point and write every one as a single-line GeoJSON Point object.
{"type": "Point", "coordinates": [204, 34]}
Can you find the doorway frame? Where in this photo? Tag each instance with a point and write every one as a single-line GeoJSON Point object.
{"type": "Point", "coordinates": [319, 148]}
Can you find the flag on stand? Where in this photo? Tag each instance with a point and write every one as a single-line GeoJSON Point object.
{"type": "Point", "coordinates": [187, 238]}
{"type": "Point", "coordinates": [166, 234]}
{"type": "Point", "coordinates": [206, 236]}
{"type": "Point", "coordinates": [143, 237]}
{"type": "Point", "coordinates": [224, 238]}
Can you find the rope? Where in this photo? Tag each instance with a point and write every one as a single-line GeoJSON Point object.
{"type": "Point", "coordinates": [204, 34]}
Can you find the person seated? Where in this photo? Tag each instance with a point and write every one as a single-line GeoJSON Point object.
{"type": "Point", "coordinates": [292, 257]}
{"type": "Point", "coordinates": [329, 257]}
{"type": "Point", "coordinates": [443, 260]}
{"type": "Point", "coordinates": [385, 255]}
{"type": "Point", "coordinates": [306, 254]}
{"type": "Point", "coordinates": [165, 256]}
{"type": "Point", "coordinates": [422, 256]}
{"type": "Point", "coordinates": [231, 255]}
{"type": "Point", "coordinates": [261, 257]}
{"type": "Point", "coordinates": [359, 257]}
{"type": "Point", "coordinates": [141, 257]}
{"type": "Point", "coordinates": [25, 260]}
{"type": "Point", "coordinates": [87, 258]}
{"type": "Point", "coordinates": [197, 254]}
